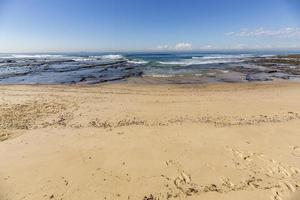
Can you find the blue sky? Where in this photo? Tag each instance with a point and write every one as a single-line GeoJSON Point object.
{"type": "Point", "coordinates": [148, 25]}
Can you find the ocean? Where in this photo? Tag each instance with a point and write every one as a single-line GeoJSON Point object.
{"type": "Point", "coordinates": [92, 68]}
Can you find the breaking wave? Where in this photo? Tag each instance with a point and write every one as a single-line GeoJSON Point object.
{"type": "Point", "coordinates": [95, 68]}
{"type": "Point", "coordinates": [201, 60]}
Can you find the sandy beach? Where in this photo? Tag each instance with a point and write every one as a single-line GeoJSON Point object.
{"type": "Point", "coordinates": [150, 141]}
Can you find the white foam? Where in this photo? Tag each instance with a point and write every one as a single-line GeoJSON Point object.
{"type": "Point", "coordinates": [82, 59]}
{"type": "Point", "coordinates": [159, 75]}
{"type": "Point", "coordinates": [268, 55]}
{"type": "Point", "coordinates": [137, 61]}
{"type": "Point", "coordinates": [188, 62]}
{"type": "Point", "coordinates": [112, 57]}
{"type": "Point", "coordinates": [109, 57]}
{"type": "Point", "coordinates": [208, 60]}
{"type": "Point", "coordinates": [32, 56]}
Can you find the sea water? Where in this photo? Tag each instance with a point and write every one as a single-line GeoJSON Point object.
{"type": "Point", "coordinates": [90, 68]}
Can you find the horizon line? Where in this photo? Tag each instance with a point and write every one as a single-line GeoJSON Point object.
{"type": "Point", "coordinates": [155, 51]}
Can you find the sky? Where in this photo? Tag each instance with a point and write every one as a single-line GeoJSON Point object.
{"type": "Point", "coordinates": [148, 25]}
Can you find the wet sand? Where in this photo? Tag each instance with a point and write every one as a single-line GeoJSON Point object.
{"type": "Point", "coordinates": [150, 141]}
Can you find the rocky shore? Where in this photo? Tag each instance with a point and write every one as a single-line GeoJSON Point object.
{"type": "Point", "coordinates": [93, 70]}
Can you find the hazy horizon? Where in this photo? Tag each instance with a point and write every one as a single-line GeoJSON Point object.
{"type": "Point", "coordinates": [215, 51]}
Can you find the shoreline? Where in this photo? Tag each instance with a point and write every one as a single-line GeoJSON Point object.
{"type": "Point", "coordinates": [143, 81]}
{"type": "Point", "coordinates": [161, 69]}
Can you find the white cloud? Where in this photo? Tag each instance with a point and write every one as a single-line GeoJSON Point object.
{"type": "Point", "coordinates": [283, 32]}
{"type": "Point", "coordinates": [233, 46]}
{"type": "Point", "coordinates": [183, 46]}
{"type": "Point", "coordinates": [178, 47]}
{"type": "Point", "coordinates": [163, 47]}
{"type": "Point", "coordinates": [260, 47]}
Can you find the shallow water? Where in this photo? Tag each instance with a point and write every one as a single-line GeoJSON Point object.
{"type": "Point", "coordinates": [97, 68]}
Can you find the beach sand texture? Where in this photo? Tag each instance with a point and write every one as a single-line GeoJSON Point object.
{"type": "Point", "coordinates": [149, 142]}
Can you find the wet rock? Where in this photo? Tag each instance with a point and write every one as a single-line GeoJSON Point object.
{"type": "Point", "coordinates": [258, 77]}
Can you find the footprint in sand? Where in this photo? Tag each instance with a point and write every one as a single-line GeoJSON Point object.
{"type": "Point", "coordinates": [296, 151]}
{"type": "Point", "coordinates": [279, 177]}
